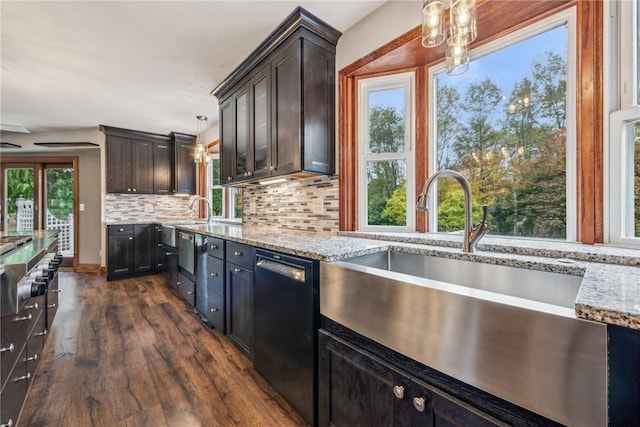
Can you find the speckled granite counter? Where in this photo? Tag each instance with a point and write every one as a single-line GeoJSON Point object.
{"type": "Point", "coordinates": [610, 290]}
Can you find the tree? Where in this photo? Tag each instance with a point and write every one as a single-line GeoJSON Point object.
{"type": "Point", "coordinates": [19, 183]}
{"type": "Point", "coordinates": [395, 211]}
{"type": "Point", "coordinates": [449, 127]}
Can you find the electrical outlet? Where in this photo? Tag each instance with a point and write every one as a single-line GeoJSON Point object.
{"type": "Point", "coordinates": [252, 207]}
{"type": "Point", "coordinates": [148, 207]}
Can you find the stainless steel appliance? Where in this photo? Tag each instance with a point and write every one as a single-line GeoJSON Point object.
{"type": "Point", "coordinates": [169, 269]}
{"type": "Point", "coordinates": [28, 295]}
{"type": "Point", "coordinates": [186, 284]}
{"type": "Point", "coordinates": [286, 317]}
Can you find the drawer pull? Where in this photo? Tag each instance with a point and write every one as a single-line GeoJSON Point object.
{"type": "Point", "coordinates": [122, 229]}
{"type": "Point", "coordinates": [32, 306]}
{"type": "Point", "coordinates": [236, 270]}
{"type": "Point", "coordinates": [9, 349]}
{"type": "Point", "coordinates": [214, 310]}
{"type": "Point", "coordinates": [24, 377]}
{"type": "Point", "coordinates": [398, 391]}
{"type": "Point", "coordinates": [33, 358]}
{"type": "Point", "coordinates": [419, 404]}
{"type": "Point", "coordinates": [42, 334]}
{"type": "Point", "coordinates": [189, 292]}
{"type": "Point", "coordinates": [8, 424]}
{"type": "Point", "coordinates": [23, 318]}
{"type": "Point", "coordinates": [51, 306]}
{"type": "Point", "coordinates": [237, 253]}
{"type": "Point", "coordinates": [214, 247]}
{"type": "Point", "coordinates": [214, 274]}
{"type": "Point", "coordinates": [56, 291]}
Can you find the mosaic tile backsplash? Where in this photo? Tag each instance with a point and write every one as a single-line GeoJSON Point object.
{"type": "Point", "coordinates": [147, 207]}
{"type": "Point", "coordinates": [309, 204]}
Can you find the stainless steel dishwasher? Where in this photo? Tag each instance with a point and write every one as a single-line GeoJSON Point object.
{"type": "Point", "coordinates": [286, 317]}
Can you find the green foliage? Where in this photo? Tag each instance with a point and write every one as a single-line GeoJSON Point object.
{"type": "Point", "coordinates": [395, 211]}
{"type": "Point", "coordinates": [19, 183]}
{"type": "Point", "coordinates": [451, 210]}
{"type": "Point", "coordinates": [60, 192]}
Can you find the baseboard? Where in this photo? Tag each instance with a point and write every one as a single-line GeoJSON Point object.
{"type": "Point", "coordinates": [88, 268]}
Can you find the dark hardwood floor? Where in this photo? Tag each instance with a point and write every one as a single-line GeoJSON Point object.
{"type": "Point", "coordinates": [131, 353]}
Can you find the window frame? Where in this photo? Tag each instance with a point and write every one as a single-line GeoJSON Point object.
{"type": "Point", "coordinates": [405, 80]}
{"type": "Point", "coordinates": [566, 17]}
{"type": "Point", "coordinates": [209, 186]}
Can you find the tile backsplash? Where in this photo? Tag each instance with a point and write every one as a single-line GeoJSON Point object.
{"type": "Point", "coordinates": [309, 204]}
{"type": "Point", "coordinates": [147, 207]}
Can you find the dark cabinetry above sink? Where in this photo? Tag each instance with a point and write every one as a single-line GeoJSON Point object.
{"type": "Point", "coordinates": [147, 163]}
{"type": "Point", "coordinates": [277, 109]}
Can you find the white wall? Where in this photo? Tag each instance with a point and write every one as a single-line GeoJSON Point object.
{"type": "Point", "coordinates": [386, 23]}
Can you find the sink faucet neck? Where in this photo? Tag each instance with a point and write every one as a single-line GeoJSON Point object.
{"type": "Point", "coordinates": [471, 233]}
{"type": "Point", "coordinates": [207, 201]}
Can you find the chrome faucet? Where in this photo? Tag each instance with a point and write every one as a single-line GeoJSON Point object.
{"type": "Point", "coordinates": [471, 233]}
{"type": "Point", "coordinates": [208, 206]}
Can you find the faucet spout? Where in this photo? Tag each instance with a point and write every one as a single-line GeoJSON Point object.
{"type": "Point", "coordinates": [207, 201]}
{"type": "Point", "coordinates": [472, 234]}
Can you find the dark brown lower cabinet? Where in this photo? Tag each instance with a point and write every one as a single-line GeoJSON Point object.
{"type": "Point", "coordinates": [239, 312]}
{"type": "Point", "coordinates": [358, 389]}
{"type": "Point", "coordinates": [131, 250]}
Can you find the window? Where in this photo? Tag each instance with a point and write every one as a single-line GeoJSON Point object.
{"type": "Point", "coordinates": [224, 202]}
{"type": "Point", "coordinates": [506, 126]}
{"type": "Point", "coordinates": [623, 177]}
{"type": "Point", "coordinates": [386, 154]}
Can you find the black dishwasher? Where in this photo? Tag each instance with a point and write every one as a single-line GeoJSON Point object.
{"type": "Point", "coordinates": [286, 317]}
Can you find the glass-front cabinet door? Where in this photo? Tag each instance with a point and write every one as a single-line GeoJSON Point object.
{"type": "Point", "coordinates": [242, 135]}
{"type": "Point", "coordinates": [260, 122]}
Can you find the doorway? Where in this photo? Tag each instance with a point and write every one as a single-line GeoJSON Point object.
{"type": "Point", "coordinates": [41, 193]}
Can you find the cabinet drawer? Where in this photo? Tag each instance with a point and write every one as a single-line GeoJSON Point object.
{"type": "Point", "coordinates": [240, 254]}
{"type": "Point", "coordinates": [215, 311]}
{"type": "Point", "coordinates": [120, 230]}
{"type": "Point", "coordinates": [215, 247]}
{"type": "Point", "coordinates": [215, 279]}
{"type": "Point", "coordinates": [187, 289]}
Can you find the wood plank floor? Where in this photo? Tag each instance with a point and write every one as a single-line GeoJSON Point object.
{"type": "Point", "coordinates": [131, 353]}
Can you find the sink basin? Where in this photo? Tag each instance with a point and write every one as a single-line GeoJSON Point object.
{"type": "Point", "coordinates": [511, 332]}
{"type": "Point", "coordinates": [542, 286]}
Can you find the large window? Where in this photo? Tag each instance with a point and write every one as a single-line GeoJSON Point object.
{"type": "Point", "coordinates": [623, 189]}
{"type": "Point", "coordinates": [505, 125]}
{"type": "Point", "coordinates": [386, 154]}
{"type": "Point", "coordinates": [225, 203]}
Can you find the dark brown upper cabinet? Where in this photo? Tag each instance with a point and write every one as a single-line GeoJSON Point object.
{"type": "Point", "coordinates": [148, 163]}
{"type": "Point", "coordinates": [277, 109]}
{"type": "Point", "coordinates": [184, 166]}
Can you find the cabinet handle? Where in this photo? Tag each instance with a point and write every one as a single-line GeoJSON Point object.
{"type": "Point", "coordinates": [51, 306]}
{"type": "Point", "coordinates": [236, 253]}
{"type": "Point", "coordinates": [159, 245]}
{"type": "Point", "coordinates": [42, 334]}
{"type": "Point", "coordinates": [214, 247]}
{"type": "Point", "coordinates": [214, 310]}
{"type": "Point", "coordinates": [229, 178]}
{"type": "Point", "coordinates": [28, 317]}
{"type": "Point", "coordinates": [122, 229]}
{"type": "Point", "coordinates": [135, 189]}
{"type": "Point", "coordinates": [189, 292]}
{"type": "Point", "coordinates": [32, 358]}
{"type": "Point", "coordinates": [130, 238]}
{"type": "Point", "coordinates": [56, 291]}
{"type": "Point", "coordinates": [24, 377]}
{"type": "Point", "coordinates": [32, 306]}
{"type": "Point", "coordinates": [271, 167]}
{"type": "Point", "coordinates": [8, 424]}
{"type": "Point", "coordinates": [128, 189]}
{"type": "Point", "coordinates": [167, 253]}
{"type": "Point", "coordinates": [419, 403]}
{"type": "Point", "coordinates": [236, 270]}
{"type": "Point", "coordinates": [178, 283]}
{"type": "Point", "coordinates": [398, 391]}
{"type": "Point", "coordinates": [214, 274]}
{"type": "Point", "coordinates": [9, 349]}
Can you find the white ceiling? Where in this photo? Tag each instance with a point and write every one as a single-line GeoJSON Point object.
{"type": "Point", "coordinates": [145, 65]}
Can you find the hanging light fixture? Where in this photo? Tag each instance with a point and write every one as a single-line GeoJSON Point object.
{"type": "Point", "coordinates": [462, 30]}
{"type": "Point", "coordinates": [201, 155]}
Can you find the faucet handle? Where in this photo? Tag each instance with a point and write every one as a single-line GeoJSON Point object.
{"type": "Point", "coordinates": [485, 209]}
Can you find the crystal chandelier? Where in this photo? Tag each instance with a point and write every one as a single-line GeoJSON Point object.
{"type": "Point", "coordinates": [201, 155]}
{"type": "Point", "coordinates": [462, 30]}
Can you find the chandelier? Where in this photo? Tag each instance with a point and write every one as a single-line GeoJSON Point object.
{"type": "Point", "coordinates": [201, 155]}
{"type": "Point", "coordinates": [462, 30]}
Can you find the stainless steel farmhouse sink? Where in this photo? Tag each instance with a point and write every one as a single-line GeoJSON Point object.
{"type": "Point", "coordinates": [509, 331]}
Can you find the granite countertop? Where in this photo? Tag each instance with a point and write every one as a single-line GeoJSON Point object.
{"type": "Point", "coordinates": [609, 293]}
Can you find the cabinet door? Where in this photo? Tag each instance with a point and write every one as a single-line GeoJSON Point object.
{"type": "Point", "coordinates": [162, 159]}
{"type": "Point", "coordinates": [354, 389]}
{"type": "Point", "coordinates": [120, 257]}
{"type": "Point", "coordinates": [141, 166]}
{"type": "Point", "coordinates": [118, 164]}
{"type": "Point", "coordinates": [215, 275]}
{"type": "Point", "coordinates": [144, 248]}
{"type": "Point", "coordinates": [242, 149]}
{"type": "Point", "coordinates": [240, 307]}
{"type": "Point", "coordinates": [286, 115]}
{"type": "Point", "coordinates": [260, 124]}
{"type": "Point", "coordinates": [227, 141]}
{"type": "Point", "coordinates": [185, 170]}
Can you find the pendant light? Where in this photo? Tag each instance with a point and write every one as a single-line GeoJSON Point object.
{"type": "Point", "coordinates": [200, 155]}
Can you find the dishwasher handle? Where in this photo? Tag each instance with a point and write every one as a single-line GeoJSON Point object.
{"type": "Point", "coordinates": [297, 274]}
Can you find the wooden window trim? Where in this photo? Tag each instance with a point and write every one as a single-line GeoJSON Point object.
{"type": "Point", "coordinates": [406, 52]}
